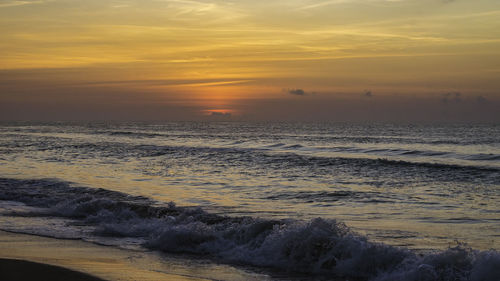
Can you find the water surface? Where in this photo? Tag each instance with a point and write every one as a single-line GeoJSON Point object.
{"type": "Point", "coordinates": [420, 187]}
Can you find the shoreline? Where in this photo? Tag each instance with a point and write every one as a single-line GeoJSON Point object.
{"type": "Point", "coordinates": [31, 257]}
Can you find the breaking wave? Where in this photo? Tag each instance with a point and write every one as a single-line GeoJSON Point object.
{"type": "Point", "coordinates": [322, 247]}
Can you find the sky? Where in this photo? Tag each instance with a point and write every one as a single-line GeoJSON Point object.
{"type": "Point", "coordinates": [297, 60]}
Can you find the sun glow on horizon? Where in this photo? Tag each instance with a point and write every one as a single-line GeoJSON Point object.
{"type": "Point", "coordinates": [221, 112]}
{"type": "Point", "coordinates": [186, 56]}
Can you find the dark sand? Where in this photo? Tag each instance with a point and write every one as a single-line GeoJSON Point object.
{"type": "Point", "coordinates": [20, 270]}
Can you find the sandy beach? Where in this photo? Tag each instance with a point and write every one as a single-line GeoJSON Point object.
{"type": "Point", "coordinates": [28, 257]}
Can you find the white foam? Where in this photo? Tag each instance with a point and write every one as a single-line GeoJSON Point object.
{"type": "Point", "coordinates": [319, 246]}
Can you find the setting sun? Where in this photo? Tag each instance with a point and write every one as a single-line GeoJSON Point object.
{"type": "Point", "coordinates": [194, 55]}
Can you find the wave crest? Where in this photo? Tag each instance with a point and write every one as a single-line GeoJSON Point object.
{"type": "Point", "coordinates": [319, 246]}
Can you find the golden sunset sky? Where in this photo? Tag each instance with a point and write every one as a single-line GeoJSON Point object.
{"type": "Point", "coordinates": [332, 60]}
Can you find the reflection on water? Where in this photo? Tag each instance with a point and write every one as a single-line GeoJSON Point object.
{"type": "Point", "coordinates": [417, 186]}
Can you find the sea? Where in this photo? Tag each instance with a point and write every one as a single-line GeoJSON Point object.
{"type": "Point", "coordinates": [351, 201]}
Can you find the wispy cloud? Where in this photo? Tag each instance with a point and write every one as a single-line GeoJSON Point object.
{"type": "Point", "coordinates": [319, 4]}
{"type": "Point", "coordinates": [216, 83]}
{"type": "Point", "coordinates": [171, 82]}
{"type": "Point", "coordinates": [185, 9]}
{"type": "Point", "coordinates": [13, 3]}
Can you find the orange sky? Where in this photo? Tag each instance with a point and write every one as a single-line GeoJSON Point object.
{"type": "Point", "coordinates": [331, 60]}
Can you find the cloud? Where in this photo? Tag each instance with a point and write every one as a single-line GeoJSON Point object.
{"type": "Point", "coordinates": [297, 92]}
{"type": "Point", "coordinates": [481, 99]}
{"type": "Point", "coordinates": [457, 97]}
{"type": "Point", "coordinates": [321, 4]}
{"type": "Point", "coordinates": [14, 3]}
{"type": "Point", "coordinates": [171, 82]}
{"type": "Point", "coordinates": [452, 97]}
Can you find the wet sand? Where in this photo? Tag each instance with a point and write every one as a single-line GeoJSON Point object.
{"type": "Point", "coordinates": [29, 257]}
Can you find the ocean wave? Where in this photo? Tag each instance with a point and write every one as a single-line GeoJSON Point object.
{"type": "Point", "coordinates": [251, 155]}
{"type": "Point", "coordinates": [232, 142]}
{"type": "Point", "coordinates": [332, 196]}
{"type": "Point", "coordinates": [321, 247]}
{"type": "Point", "coordinates": [279, 158]}
{"type": "Point", "coordinates": [276, 145]}
{"type": "Point", "coordinates": [135, 134]}
{"type": "Point", "coordinates": [294, 146]}
{"type": "Point", "coordinates": [484, 157]}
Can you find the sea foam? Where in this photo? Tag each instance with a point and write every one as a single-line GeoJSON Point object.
{"type": "Point", "coordinates": [321, 247]}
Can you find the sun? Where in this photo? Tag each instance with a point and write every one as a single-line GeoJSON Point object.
{"type": "Point", "coordinates": [219, 112]}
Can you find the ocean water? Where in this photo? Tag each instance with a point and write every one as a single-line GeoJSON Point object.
{"type": "Point", "coordinates": [355, 201]}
